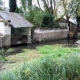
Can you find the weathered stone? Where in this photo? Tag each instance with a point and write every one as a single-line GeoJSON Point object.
{"type": "Point", "coordinates": [0, 41]}
{"type": "Point", "coordinates": [42, 35]}
{"type": "Point", "coordinates": [29, 36]}
{"type": "Point", "coordinates": [6, 41]}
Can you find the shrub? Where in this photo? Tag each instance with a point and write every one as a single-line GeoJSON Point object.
{"type": "Point", "coordinates": [47, 21]}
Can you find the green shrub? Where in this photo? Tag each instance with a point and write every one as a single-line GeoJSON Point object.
{"type": "Point", "coordinates": [47, 21]}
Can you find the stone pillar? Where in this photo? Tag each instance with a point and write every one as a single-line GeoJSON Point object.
{"type": "Point", "coordinates": [0, 41]}
{"type": "Point", "coordinates": [29, 35]}
{"type": "Point", "coordinates": [6, 41]}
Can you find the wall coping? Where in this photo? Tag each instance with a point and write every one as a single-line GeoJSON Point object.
{"type": "Point", "coordinates": [47, 31]}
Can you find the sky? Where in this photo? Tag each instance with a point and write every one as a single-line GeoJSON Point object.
{"type": "Point", "coordinates": [6, 2]}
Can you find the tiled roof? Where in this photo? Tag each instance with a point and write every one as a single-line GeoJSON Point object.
{"type": "Point", "coordinates": [74, 21]}
{"type": "Point", "coordinates": [17, 21]}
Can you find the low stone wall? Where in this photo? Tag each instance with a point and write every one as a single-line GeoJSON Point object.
{"type": "Point", "coordinates": [43, 35]}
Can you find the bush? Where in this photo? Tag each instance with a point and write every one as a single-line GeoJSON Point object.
{"type": "Point", "coordinates": [47, 21]}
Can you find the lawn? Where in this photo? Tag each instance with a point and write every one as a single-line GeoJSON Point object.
{"type": "Point", "coordinates": [47, 62]}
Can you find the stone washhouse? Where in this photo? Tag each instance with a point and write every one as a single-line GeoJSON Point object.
{"type": "Point", "coordinates": [14, 29]}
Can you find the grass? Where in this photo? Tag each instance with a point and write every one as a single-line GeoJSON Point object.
{"type": "Point", "coordinates": [11, 50]}
{"type": "Point", "coordinates": [15, 60]}
{"type": "Point", "coordinates": [47, 68]}
{"type": "Point", "coordinates": [46, 62]}
{"type": "Point", "coordinates": [57, 50]}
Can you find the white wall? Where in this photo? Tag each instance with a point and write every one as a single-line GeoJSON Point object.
{"type": "Point", "coordinates": [7, 30]}
{"type": "Point", "coordinates": [2, 28]}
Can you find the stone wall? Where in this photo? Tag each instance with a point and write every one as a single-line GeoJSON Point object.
{"type": "Point", "coordinates": [6, 40]}
{"type": "Point", "coordinates": [0, 41]}
{"type": "Point", "coordinates": [43, 35]}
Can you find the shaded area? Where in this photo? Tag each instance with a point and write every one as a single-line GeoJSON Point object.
{"type": "Point", "coordinates": [19, 48]}
{"type": "Point", "coordinates": [35, 44]}
{"type": "Point", "coordinates": [17, 54]}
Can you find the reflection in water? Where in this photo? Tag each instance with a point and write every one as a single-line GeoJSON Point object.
{"type": "Point", "coordinates": [65, 42]}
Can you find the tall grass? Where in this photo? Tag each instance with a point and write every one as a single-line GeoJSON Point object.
{"type": "Point", "coordinates": [47, 68]}
{"type": "Point", "coordinates": [2, 56]}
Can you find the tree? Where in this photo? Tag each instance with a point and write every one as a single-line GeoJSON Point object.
{"type": "Point", "coordinates": [1, 3]}
{"type": "Point", "coordinates": [74, 7]}
{"type": "Point", "coordinates": [29, 3]}
{"type": "Point", "coordinates": [23, 5]}
{"type": "Point", "coordinates": [49, 5]}
{"type": "Point", "coordinates": [12, 5]}
{"type": "Point", "coordinates": [50, 12]}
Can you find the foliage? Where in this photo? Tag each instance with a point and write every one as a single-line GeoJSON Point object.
{"type": "Point", "coordinates": [23, 5]}
{"type": "Point", "coordinates": [19, 10]}
{"type": "Point", "coordinates": [50, 6]}
{"type": "Point", "coordinates": [1, 4]}
{"type": "Point", "coordinates": [47, 68]}
{"type": "Point", "coordinates": [35, 16]}
{"type": "Point", "coordinates": [47, 21]}
{"type": "Point", "coordinates": [12, 5]}
{"type": "Point", "coordinates": [72, 8]}
{"type": "Point", "coordinates": [2, 56]}
{"type": "Point", "coordinates": [26, 5]}
{"type": "Point", "coordinates": [29, 3]}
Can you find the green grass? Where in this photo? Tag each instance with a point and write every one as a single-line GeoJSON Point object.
{"type": "Point", "coordinates": [56, 63]}
{"type": "Point", "coordinates": [57, 50]}
{"type": "Point", "coordinates": [47, 68]}
{"type": "Point", "coordinates": [2, 57]}
{"type": "Point", "coordinates": [11, 50]}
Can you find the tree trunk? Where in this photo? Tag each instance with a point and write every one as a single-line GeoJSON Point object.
{"type": "Point", "coordinates": [12, 5]}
